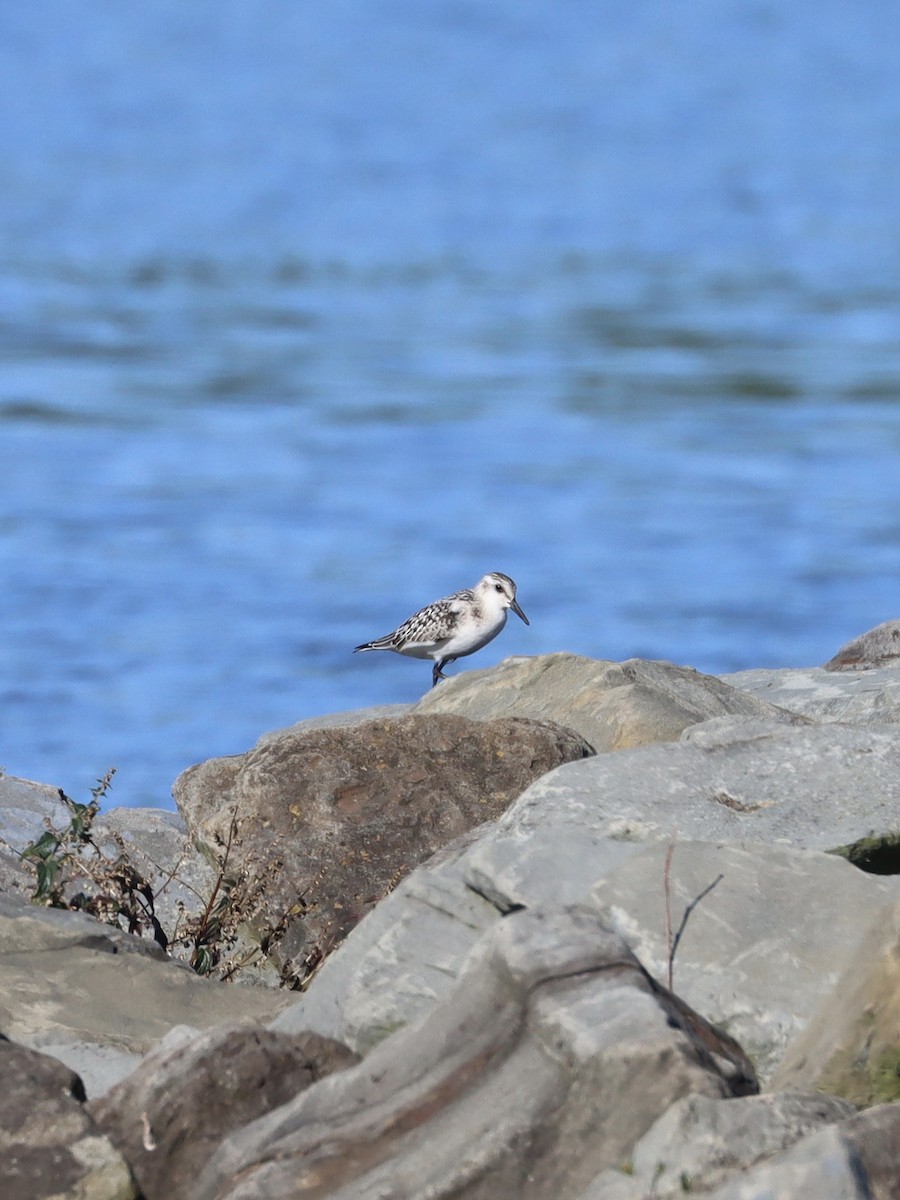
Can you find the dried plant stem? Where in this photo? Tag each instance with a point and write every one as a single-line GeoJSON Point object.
{"type": "Point", "coordinates": [672, 942]}
{"type": "Point", "coordinates": [667, 891]}
{"type": "Point", "coordinates": [684, 920]}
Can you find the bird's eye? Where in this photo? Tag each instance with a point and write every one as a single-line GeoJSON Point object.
{"type": "Point", "coordinates": [498, 587]}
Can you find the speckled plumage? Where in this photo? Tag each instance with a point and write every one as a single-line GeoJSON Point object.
{"type": "Point", "coordinates": [455, 626]}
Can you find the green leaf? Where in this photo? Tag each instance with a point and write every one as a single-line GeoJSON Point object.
{"type": "Point", "coordinates": [203, 960]}
{"type": "Point", "coordinates": [47, 870]}
{"type": "Point", "coordinates": [47, 844]}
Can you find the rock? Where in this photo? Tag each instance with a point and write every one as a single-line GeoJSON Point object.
{"type": "Point", "coordinates": [24, 809]}
{"type": "Point", "coordinates": [50, 1146]}
{"type": "Point", "coordinates": [333, 818]}
{"type": "Point", "coordinates": [858, 1159]}
{"type": "Point", "coordinates": [551, 1056]}
{"type": "Point", "coordinates": [869, 697]}
{"type": "Point", "coordinates": [728, 779]}
{"type": "Point", "coordinates": [613, 706]}
{"type": "Point", "coordinates": [851, 1046]}
{"type": "Point", "coordinates": [169, 1115]}
{"type": "Point", "coordinates": [878, 647]}
{"type": "Point", "coordinates": [699, 1142]}
{"type": "Point", "coordinates": [96, 997]}
{"type": "Point", "coordinates": [761, 949]}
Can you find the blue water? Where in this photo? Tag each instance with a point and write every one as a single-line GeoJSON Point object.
{"type": "Point", "coordinates": [311, 315]}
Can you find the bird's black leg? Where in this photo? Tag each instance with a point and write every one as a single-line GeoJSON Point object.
{"type": "Point", "coordinates": [438, 667]}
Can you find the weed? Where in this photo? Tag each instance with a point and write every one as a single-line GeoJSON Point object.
{"type": "Point", "coordinates": [73, 870]}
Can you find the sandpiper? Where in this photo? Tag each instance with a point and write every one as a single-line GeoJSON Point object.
{"type": "Point", "coordinates": [455, 626]}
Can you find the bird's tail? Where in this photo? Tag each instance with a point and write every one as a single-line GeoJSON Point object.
{"type": "Point", "coordinates": [382, 643]}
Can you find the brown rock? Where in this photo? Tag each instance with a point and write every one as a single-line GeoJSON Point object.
{"type": "Point", "coordinates": [49, 1146]}
{"type": "Point", "coordinates": [170, 1114]}
{"type": "Point", "coordinates": [333, 818]}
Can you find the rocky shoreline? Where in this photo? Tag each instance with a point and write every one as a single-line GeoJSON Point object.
{"type": "Point", "coordinates": [563, 929]}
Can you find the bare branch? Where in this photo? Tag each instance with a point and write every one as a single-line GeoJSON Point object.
{"type": "Point", "coordinates": [667, 893]}
{"type": "Point", "coordinates": [684, 920]}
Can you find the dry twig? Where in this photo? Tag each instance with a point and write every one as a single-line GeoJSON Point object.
{"type": "Point", "coordinates": [672, 942]}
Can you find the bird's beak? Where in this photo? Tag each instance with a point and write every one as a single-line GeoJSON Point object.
{"type": "Point", "coordinates": [515, 607]}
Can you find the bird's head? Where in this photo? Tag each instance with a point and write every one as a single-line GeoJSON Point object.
{"type": "Point", "coordinates": [500, 591]}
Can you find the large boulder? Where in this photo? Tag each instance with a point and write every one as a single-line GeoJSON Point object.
{"type": "Point", "coordinates": [812, 787]}
{"type": "Point", "coordinates": [552, 1055]}
{"type": "Point", "coordinates": [757, 955]}
{"type": "Point", "coordinates": [169, 1115]}
{"type": "Point", "coordinates": [611, 817]}
{"type": "Point", "coordinates": [50, 1146]}
{"type": "Point", "coordinates": [98, 998]}
{"type": "Point", "coordinates": [333, 818]}
{"type": "Point", "coordinates": [612, 705]}
{"type": "Point", "coordinates": [761, 949]}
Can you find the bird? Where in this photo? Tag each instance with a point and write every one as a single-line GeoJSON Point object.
{"type": "Point", "coordinates": [455, 626]}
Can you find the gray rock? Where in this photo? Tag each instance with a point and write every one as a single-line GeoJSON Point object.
{"type": "Point", "coordinates": [699, 1142]}
{"type": "Point", "coordinates": [612, 705]}
{"type": "Point", "coordinates": [407, 952]}
{"type": "Point", "coordinates": [96, 997]}
{"type": "Point", "coordinates": [32, 929]}
{"type": "Point", "coordinates": [858, 1159]}
{"type": "Point", "coordinates": [331, 819]}
{"type": "Point", "coordinates": [169, 1115]}
{"type": "Point", "coordinates": [25, 807]}
{"type": "Point", "coordinates": [727, 780]}
{"type": "Point", "coordinates": [552, 1055]}
{"type": "Point", "coordinates": [854, 697]}
{"type": "Point", "coordinates": [762, 948]}
{"type": "Point", "coordinates": [878, 647]}
{"type": "Point", "coordinates": [50, 1146]}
